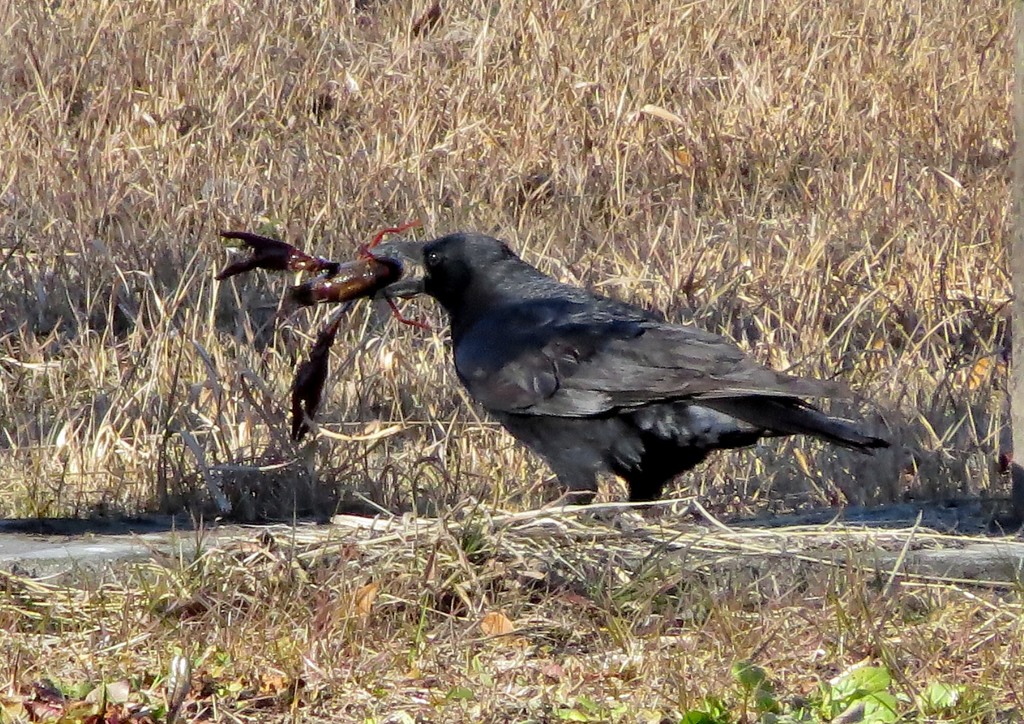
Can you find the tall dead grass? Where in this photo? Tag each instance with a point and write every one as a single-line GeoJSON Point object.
{"type": "Point", "coordinates": [826, 182]}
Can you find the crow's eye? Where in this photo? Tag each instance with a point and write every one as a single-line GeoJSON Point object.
{"type": "Point", "coordinates": [433, 258]}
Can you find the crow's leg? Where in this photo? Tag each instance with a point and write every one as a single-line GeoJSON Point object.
{"type": "Point", "coordinates": [662, 461]}
{"type": "Point", "coordinates": [580, 484]}
{"type": "Point", "coordinates": [571, 497]}
{"type": "Point", "coordinates": [644, 489]}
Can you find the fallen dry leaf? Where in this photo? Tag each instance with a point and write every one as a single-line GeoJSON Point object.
{"type": "Point", "coordinates": [496, 623]}
{"type": "Point", "coordinates": [116, 692]}
{"type": "Point", "coordinates": [273, 683]}
{"type": "Point", "coordinates": [662, 113]}
{"type": "Point", "coordinates": [552, 671]}
{"type": "Point", "coordinates": [980, 373]}
{"type": "Point", "coordinates": [683, 157]}
{"type": "Point", "coordinates": [365, 597]}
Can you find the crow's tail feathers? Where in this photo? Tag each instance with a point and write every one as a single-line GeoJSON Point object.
{"type": "Point", "coordinates": [790, 416]}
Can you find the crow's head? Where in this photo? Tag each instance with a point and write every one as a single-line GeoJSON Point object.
{"type": "Point", "coordinates": [456, 268]}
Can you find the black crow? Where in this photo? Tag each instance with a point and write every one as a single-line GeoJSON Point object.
{"type": "Point", "coordinates": [594, 384]}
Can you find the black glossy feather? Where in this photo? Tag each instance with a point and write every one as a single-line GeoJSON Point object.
{"type": "Point", "coordinates": [591, 383]}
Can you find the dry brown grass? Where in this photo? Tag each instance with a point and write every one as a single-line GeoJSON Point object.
{"type": "Point", "coordinates": [824, 181]}
{"type": "Point", "coordinates": [830, 192]}
{"type": "Point", "coordinates": [528, 617]}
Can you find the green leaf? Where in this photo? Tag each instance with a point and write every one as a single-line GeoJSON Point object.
{"type": "Point", "coordinates": [764, 701]}
{"type": "Point", "coordinates": [787, 718]}
{"type": "Point", "coordinates": [939, 696]}
{"type": "Point", "coordinates": [716, 709]}
{"type": "Point", "coordinates": [858, 682]}
{"type": "Point", "coordinates": [701, 717]}
{"type": "Point", "coordinates": [572, 715]}
{"type": "Point", "coordinates": [880, 708]}
{"type": "Point", "coordinates": [459, 693]}
{"type": "Point", "coordinates": [77, 690]}
{"type": "Point", "coordinates": [872, 678]}
{"type": "Point", "coordinates": [748, 676]}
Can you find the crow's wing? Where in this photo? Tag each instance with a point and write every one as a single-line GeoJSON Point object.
{"type": "Point", "coordinates": [535, 359]}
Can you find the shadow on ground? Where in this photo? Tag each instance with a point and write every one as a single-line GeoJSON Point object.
{"type": "Point", "coordinates": [106, 525]}
{"type": "Point", "coordinates": [61, 547]}
{"type": "Point", "coordinates": [956, 516]}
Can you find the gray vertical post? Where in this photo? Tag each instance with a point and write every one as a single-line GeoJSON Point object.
{"type": "Point", "coordinates": [1017, 268]}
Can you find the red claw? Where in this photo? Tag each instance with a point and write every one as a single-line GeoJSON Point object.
{"type": "Point", "coordinates": [308, 388]}
{"type": "Point", "coordinates": [364, 250]}
{"type": "Point", "coordinates": [273, 255]}
{"type": "Point", "coordinates": [405, 320]}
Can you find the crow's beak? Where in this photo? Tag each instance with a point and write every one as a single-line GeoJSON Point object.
{"type": "Point", "coordinates": [407, 252]}
{"type": "Point", "coordinates": [410, 254]}
{"type": "Point", "coordinates": [404, 288]}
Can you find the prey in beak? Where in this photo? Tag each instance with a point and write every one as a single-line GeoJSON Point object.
{"type": "Point", "coordinates": [364, 277]}
{"type": "Point", "coordinates": [409, 255]}
{"type": "Point", "coordinates": [378, 271]}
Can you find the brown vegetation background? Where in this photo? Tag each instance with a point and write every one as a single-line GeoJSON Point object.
{"type": "Point", "coordinates": [825, 182]}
